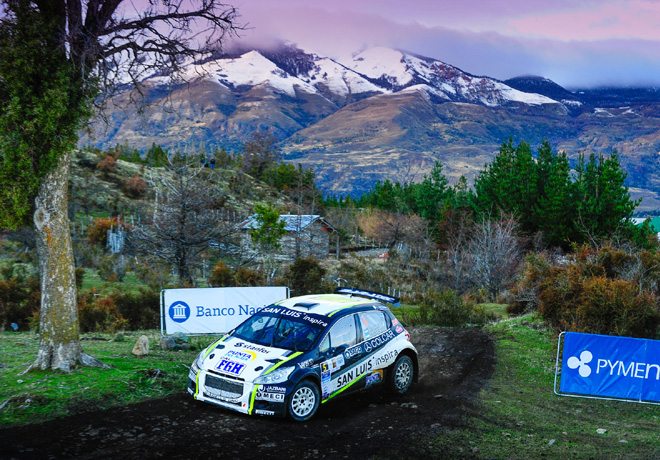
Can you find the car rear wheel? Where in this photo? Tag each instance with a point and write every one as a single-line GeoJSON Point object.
{"type": "Point", "coordinates": [401, 375]}
{"type": "Point", "coordinates": [304, 401]}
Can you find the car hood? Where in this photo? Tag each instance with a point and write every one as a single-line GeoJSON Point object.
{"type": "Point", "coordinates": [235, 357]}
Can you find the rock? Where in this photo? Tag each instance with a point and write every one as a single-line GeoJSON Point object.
{"type": "Point", "coordinates": [180, 338]}
{"type": "Point", "coordinates": [141, 347]}
{"type": "Point", "coordinates": [167, 343]}
{"type": "Point", "coordinates": [552, 441]}
{"type": "Point", "coordinates": [601, 431]}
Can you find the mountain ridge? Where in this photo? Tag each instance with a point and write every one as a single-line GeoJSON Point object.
{"type": "Point", "coordinates": [383, 111]}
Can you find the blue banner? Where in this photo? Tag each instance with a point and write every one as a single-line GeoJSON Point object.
{"type": "Point", "coordinates": [608, 366]}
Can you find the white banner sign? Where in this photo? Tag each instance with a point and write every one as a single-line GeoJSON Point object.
{"type": "Point", "coordinates": [213, 310]}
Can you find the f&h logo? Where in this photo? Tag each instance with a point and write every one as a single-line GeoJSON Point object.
{"type": "Point", "coordinates": [581, 363]}
{"type": "Point", "coordinates": [179, 311]}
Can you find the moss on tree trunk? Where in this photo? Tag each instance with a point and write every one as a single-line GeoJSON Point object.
{"type": "Point", "coordinates": [59, 346]}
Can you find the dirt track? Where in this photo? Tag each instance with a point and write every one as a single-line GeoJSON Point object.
{"type": "Point", "coordinates": [454, 365]}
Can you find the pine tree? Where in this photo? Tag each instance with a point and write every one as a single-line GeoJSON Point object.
{"type": "Point", "coordinates": [553, 211]}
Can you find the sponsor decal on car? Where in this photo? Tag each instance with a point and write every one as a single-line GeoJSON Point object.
{"type": "Point", "coordinates": [384, 359]}
{"type": "Point", "coordinates": [326, 384]}
{"type": "Point", "coordinates": [378, 341]}
{"type": "Point", "coordinates": [399, 329]}
{"type": "Point", "coordinates": [333, 364]}
{"type": "Point", "coordinates": [230, 367]}
{"type": "Point", "coordinates": [351, 352]}
{"type": "Point", "coordinates": [268, 396]}
{"type": "Point", "coordinates": [306, 363]}
{"type": "Point", "coordinates": [249, 346]}
{"type": "Point", "coordinates": [241, 355]}
{"type": "Point", "coordinates": [317, 320]}
{"type": "Point", "coordinates": [271, 388]}
{"type": "Point", "coordinates": [264, 412]}
{"type": "Point", "coordinates": [374, 378]}
{"type": "Point", "coordinates": [354, 373]}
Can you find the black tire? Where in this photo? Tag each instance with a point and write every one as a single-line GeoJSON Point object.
{"type": "Point", "coordinates": [401, 375]}
{"type": "Point", "coordinates": [304, 401]}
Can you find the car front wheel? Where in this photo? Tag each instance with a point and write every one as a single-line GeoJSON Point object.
{"type": "Point", "coordinates": [304, 401]}
{"type": "Point", "coordinates": [401, 375]}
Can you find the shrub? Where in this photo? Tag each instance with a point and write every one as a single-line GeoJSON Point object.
{"type": "Point", "coordinates": [222, 276]}
{"type": "Point", "coordinates": [249, 277]}
{"type": "Point", "coordinates": [156, 277]}
{"type": "Point", "coordinates": [107, 164]}
{"type": "Point", "coordinates": [445, 308]}
{"type": "Point", "coordinates": [305, 276]}
{"type": "Point", "coordinates": [20, 300]}
{"type": "Point", "coordinates": [112, 268]}
{"type": "Point", "coordinates": [527, 288]}
{"type": "Point", "coordinates": [98, 231]}
{"type": "Point", "coordinates": [134, 187]}
{"type": "Point", "coordinates": [589, 295]}
{"type": "Point", "coordinates": [140, 310]}
{"type": "Point", "coordinates": [99, 314]}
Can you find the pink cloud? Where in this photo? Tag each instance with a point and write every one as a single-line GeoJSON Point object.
{"type": "Point", "coordinates": [626, 20]}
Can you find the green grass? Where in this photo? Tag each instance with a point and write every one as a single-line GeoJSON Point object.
{"type": "Point", "coordinates": [38, 395]}
{"type": "Point", "coordinates": [520, 417]}
{"type": "Point", "coordinates": [498, 309]}
{"type": "Point", "coordinates": [92, 280]}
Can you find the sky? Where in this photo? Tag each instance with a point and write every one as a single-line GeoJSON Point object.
{"type": "Point", "coordinates": [576, 43]}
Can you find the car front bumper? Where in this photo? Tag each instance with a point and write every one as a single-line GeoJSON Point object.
{"type": "Point", "coordinates": [238, 395]}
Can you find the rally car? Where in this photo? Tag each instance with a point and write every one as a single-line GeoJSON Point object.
{"type": "Point", "coordinates": [301, 352]}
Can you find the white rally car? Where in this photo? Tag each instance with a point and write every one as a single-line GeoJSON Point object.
{"type": "Point", "coordinates": [298, 353]}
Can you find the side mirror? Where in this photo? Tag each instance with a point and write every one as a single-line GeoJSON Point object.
{"type": "Point", "coordinates": [339, 349]}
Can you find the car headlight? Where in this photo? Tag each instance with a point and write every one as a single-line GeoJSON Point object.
{"type": "Point", "coordinates": [197, 364]}
{"type": "Point", "coordinates": [277, 376]}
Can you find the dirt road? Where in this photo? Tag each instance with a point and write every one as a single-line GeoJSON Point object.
{"type": "Point", "coordinates": [454, 365]}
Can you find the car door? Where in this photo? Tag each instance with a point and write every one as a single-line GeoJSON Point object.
{"type": "Point", "coordinates": [336, 366]}
{"type": "Point", "coordinates": [373, 327]}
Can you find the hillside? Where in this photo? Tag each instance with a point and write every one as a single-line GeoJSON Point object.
{"type": "Point", "coordinates": [98, 193]}
{"type": "Point", "coordinates": [383, 113]}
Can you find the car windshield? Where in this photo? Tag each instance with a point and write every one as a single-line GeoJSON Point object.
{"type": "Point", "coordinates": [282, 328]}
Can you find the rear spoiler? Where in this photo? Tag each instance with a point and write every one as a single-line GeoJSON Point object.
{"type": "Point", "coordinates": [369, 294]}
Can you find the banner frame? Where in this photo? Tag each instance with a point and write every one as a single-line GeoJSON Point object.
{"type": "Point", "coordinates": [575, 395]}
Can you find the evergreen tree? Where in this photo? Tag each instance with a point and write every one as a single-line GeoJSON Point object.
{"type": "Point", "coordinates": [432, 194]}
{"type": "Point", "coordinates": [553, 212]}
{"type": "Point", "coordinates": [156, 156]}
{"type": "Point", "coordinates": [509, 184]}
{"type": "Point", "coordinates": [602, 201]}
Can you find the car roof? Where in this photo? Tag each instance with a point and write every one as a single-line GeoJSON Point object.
{"type": "Point", "coordinates": [327, 304]}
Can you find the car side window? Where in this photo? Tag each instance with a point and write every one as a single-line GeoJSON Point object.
{"type": "Point", "coordinates": [373, 323]}
{"type": "Point", "coordinates": [343, 332]}
{"type": "Point", "coordinates": [325, 344]}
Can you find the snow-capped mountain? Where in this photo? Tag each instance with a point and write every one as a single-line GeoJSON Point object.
{"type": "Point", "coordinates": [398, 70]}
{"type": "Point", "coordinates": [290, 71]}
{"type": "Point", "coordinates": [381, 113]}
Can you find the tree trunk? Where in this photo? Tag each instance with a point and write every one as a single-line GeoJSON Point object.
{"type": "Point", "coordinates": [59, 346]}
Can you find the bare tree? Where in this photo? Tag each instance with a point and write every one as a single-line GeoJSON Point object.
{"type": "Point", "coordinates": [260, 152]}
{"type": "Point", "coordinates": [494, 253]}
{"type": "Point", "coordinates": [457, 257]}
{"type": "Point", "coordinates": [188, 217]}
